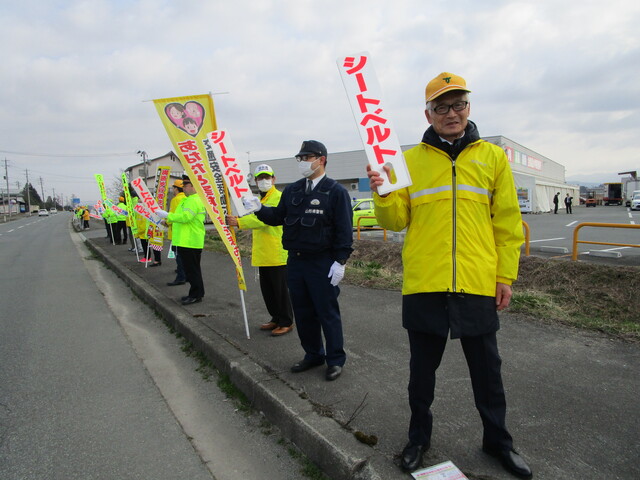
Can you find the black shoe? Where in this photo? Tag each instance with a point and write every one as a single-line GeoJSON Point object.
{"type": "Point", "coordinates": [333, 372]}
{"type": "Point", "coordinates": [190, 300]}
{"type": "Point", "coordinates": [412, 456]}
{"type": "Point", "coordinates": [182, 299]}
{"type": "Point", "coordinates": [511, 461]}
{"type": "Point", "coordinates": [305, 365]}
{"type": "Point", "coordinates": [174, 283]}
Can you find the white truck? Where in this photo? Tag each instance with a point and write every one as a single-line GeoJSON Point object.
{"type": "Point", "coordinates": [630, 189]}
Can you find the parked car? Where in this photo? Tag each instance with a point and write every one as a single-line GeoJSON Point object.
{"type": "Point", "coordinates": [363, 207]}
{"type": "Point", "coordinates": [590, 202]}
{"type": "Point", "coordinates": [43, 212]}
{"type": "Point", "coordinates": [53, 210]}
{"type": "Point", "coordinates": [635, 202]}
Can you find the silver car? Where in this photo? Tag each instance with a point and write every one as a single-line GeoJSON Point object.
{"type": "Point", "coordinates": [635, 202]}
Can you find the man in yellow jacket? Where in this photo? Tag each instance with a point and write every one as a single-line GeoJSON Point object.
{"type": "Point", "coordinates": [188, 235]}
{"type": "Point", "coordinates": [268, 255]}
{"type": "Point", "coordinates": [460, 256]}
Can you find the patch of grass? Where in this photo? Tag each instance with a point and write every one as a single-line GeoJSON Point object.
{"type": "Point", "coordinates": [232, 392]}
{"type": "Point", "coordinates": [308, 468]}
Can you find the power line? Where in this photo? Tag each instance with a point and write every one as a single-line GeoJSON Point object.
{"type": "Point", "coordinates": [70, 155]}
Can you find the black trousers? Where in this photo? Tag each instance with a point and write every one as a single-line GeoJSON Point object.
{"type": "Point", "coordinates": [315, 305]}
{"type": "Point", "coordinates": [157, 256]}
{"type": "Point", "coordinates": [180, 277]}
{"type": "Point", "coordinates": [275, 293]}
{"type": "Point", "coordinates": [191, 263]}
{"type": "Point", "coordinates": [121, 226]}
{"type": "Point", "coordinates": [484, 363]}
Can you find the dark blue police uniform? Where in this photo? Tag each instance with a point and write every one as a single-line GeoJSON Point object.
{"type": "Point", "coordinates": [317, 230]}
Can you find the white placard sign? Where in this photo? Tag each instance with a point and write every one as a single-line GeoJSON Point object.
{"type": "Point", "coordinates": [234, 170]}
{"type": "Point", "coordinates": [376, 130]}
{"type": "Point", "coordinates": [147, 202]}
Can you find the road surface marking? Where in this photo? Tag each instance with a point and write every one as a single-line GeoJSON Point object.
{"type": "Point", "coordinates": [547, 239]}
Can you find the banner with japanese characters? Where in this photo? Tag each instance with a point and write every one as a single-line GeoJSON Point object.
{"type": "Point", "coordinates": [156, 235]}
{"type": "Point", "coordinates": [188, 122]}
{"type": "Point", "coordinates": [233, 169]}
{"type": "Point", "coordinates": [129, 204]}
{"type": "Point", "coordinates": [100, 180]}
{"type": "Point", "coordinates": [147, 206]}
{"type": "Point", "coordinates": [376, 130]}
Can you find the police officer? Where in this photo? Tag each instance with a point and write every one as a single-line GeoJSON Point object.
{"type": "Point", "coordinates": [317, 224]}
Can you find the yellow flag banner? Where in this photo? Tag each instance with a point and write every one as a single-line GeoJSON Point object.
{"type": "Point", "coordinates": [129, 203]}
{"type": "Point", "coordinates": [188, 122]}
{"type": "Point", "coordinates": [156, 239]}
{"type": "Point", "coordinates": [100, 180]}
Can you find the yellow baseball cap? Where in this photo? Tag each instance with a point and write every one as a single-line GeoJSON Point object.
{"type": "Point", "coordinates": [443, 83]}
{"type": "Point", "coordinates": [178, 183]}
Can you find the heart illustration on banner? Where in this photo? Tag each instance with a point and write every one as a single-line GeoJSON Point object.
{"type": "Point", "coordinates": [187, 117]}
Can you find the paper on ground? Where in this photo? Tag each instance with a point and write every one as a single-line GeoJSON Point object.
{"type": "Point", "coordinates": [443, 471]}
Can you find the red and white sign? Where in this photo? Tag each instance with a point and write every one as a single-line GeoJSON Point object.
{"type": "Point", "coordinates": [376, 130]}
{"type": "Point", "coordinates": [234, 170]}
{"type": "Point", "coordinates": [147, 206]}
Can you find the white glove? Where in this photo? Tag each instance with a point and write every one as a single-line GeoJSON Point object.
{"type": "Point", "coordinates": [336, 273]}
{"type": "Point", "coordinates": [162, 213]}
{"type": "Point", "coordinates": [251, 203]}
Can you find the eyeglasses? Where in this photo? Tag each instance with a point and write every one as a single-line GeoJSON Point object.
{"type": "Point", "coordinates": [305, 158]}
{"type": "Point", "coordinates": [443, 108]}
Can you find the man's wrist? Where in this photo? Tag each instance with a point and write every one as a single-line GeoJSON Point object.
{"type": "Point", "coordinates": [342, 261]}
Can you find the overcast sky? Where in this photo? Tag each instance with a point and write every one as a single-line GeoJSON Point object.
{"type": "Point", "coordinates": [560, 77]}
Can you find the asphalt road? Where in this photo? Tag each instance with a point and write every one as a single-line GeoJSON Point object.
{"type": "Point", "coordinates": [93, 386]}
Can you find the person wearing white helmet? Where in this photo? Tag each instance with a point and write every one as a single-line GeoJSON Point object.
{"type": "Point", "coordinates": [268, 255]}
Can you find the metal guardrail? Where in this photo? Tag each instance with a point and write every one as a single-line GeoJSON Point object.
{"type": "Point", "coordinates": [358, 227]}
{"type": "Point", "coordinates": [574, 256]}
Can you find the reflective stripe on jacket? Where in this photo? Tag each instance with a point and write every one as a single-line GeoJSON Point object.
{"type": "Point", "coordinates": [464, 227]}
{"type": "Point", "coordinates": [266, 250]}
{"type": "Point", "coordinates": [188, 223]}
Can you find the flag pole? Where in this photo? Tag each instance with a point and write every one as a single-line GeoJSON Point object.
{"type": "Point", "coordinates": [244, 313]}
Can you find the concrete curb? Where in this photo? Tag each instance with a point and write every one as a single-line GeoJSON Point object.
{"type": "Point", "coordinates": [321, 439]}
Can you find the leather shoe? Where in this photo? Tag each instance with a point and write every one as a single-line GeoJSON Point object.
{"type": "Point", "coordinates": [173, 284]}
{"type": "Point", "coordinates": [190, 300]}
{"type": "Point", "coordinates": [268, 326]}
{"type": "Point", "coordinates": [277, 332]}
{"type": "Point", "coordinates": [182, 299]}
{"type": "Point", "coordinates": [305, 365]}
{"type": "Point", "coordinates": [511, 461]}
{"type": "Point", "coordinates": [333, 372]}
{"type": "Point", "coordinates": [412, 456]}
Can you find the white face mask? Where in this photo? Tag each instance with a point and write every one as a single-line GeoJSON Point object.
{"type": "Point", "coordinates": [265, 185]}
{"type": "Point", "coordinates": [306, 169]}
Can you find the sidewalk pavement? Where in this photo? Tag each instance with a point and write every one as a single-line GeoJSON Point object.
{"type": "Point", "coordinates": [572, 397]}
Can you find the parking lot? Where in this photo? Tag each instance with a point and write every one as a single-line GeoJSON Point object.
{"type": "Point", "coordinates": [552, 235]}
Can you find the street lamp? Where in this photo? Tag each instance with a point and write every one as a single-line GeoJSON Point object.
{"type": "Point", "coordinates": [144, 161]}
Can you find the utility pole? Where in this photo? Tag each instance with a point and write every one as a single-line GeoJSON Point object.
{"type": "Point", "coordinates": [54, 199]}
{"type": "Point", "coordinates": [6, 176]}
{"type": "Point", "coordinates": [42, 192]}
{"type": "Point", "coordinates": [28, 189]}
{"type": "Point", "coordinates": [17, 204]}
